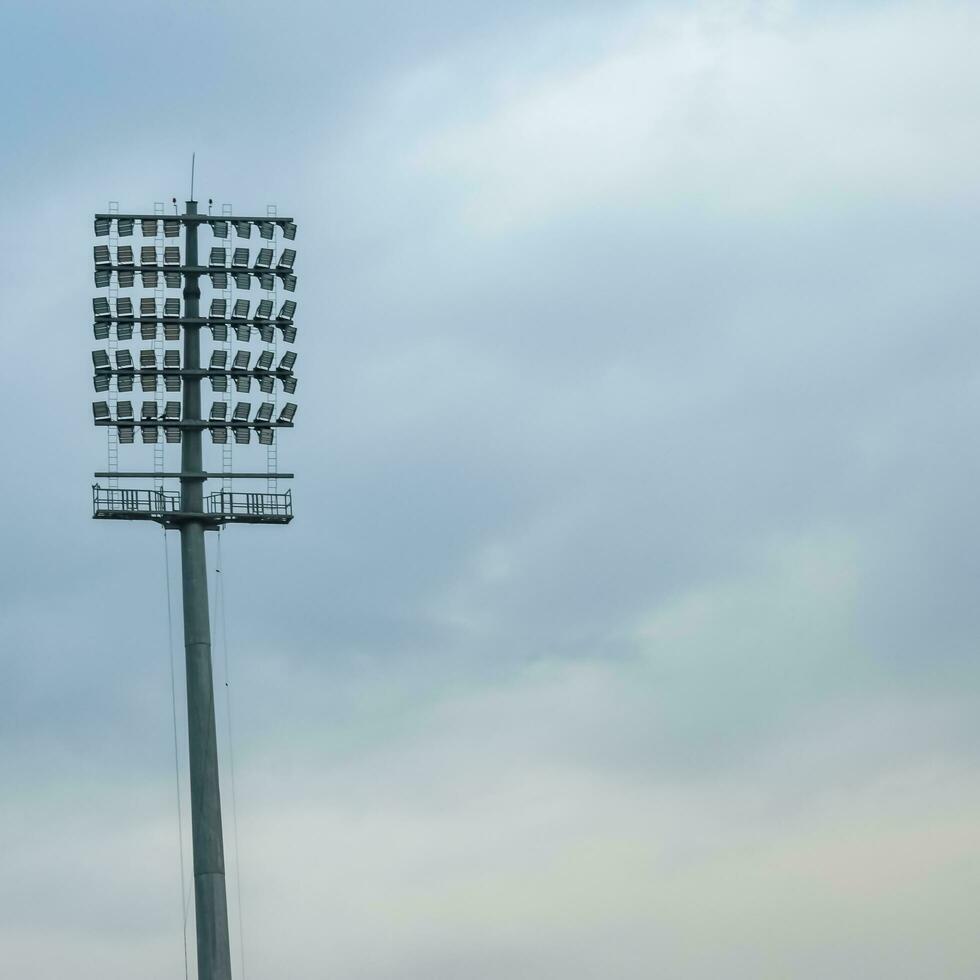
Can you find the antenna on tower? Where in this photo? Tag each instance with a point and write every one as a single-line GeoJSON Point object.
{"type": "Point", "coordinates": [193, 155]}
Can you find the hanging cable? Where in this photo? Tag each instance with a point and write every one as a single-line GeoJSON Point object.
{"type": "Point", "coordinates": [184, 897]}
{"type": "Point", "coordinates": [220, 597]}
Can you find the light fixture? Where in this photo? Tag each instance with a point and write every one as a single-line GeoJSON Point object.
{"type": "Point", "coordinates": [170, 257]}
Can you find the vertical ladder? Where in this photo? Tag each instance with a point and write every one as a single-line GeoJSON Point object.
{"type": "Point", "coordinates": [227, 447]}
{"type": "Point", "coordinates": [112, 433]}
{"type": "Point", "coordinates": [272, 450]}
{"type": "Point", "coordinates": [159, 447]}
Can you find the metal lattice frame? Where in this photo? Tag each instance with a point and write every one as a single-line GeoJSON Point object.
{"type": "Point", "coordinates": [118, 273]}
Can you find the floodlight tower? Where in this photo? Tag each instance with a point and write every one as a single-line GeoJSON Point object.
{"type": "Point", "coordinates": [191, 510]}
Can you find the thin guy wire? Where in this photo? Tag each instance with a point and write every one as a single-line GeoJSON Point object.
{"type": "Point", "coordinates": [173, 708]}
{"type": "Point", "coordinates": [231, 755]}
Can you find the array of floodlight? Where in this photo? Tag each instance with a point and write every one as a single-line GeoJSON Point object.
{"type": "Point", "coordinates": [150, 226]}
{"type": "Point", "coordinates": [123, 321]}
{"type": "Point", "coordinates": [241, 267]}
{"type": "Point", "coordinates": [116, 320]}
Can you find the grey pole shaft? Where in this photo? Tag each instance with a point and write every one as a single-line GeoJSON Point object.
{"type": "Point", "coordinates": [210, 901]}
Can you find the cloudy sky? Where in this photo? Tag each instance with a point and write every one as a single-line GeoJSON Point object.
{"type": "Point", "coordinates": [627, 627]}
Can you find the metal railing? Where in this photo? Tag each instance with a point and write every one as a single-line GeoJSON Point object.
{"type": "Point", "coordinates": [255, 508]}
{"type": "Point", "coordinates": [114, 500]}
{"type": "Point", "coordinates": [268, 505]}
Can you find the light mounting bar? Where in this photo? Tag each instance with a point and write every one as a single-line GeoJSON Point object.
{"type": "Point", "coordinates": [137, 475]}
{"type": "Point", "coordinates": [195, 219]}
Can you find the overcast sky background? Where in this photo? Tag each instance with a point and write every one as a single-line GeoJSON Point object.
{"type": "Point", "coordinates": [627, 625]}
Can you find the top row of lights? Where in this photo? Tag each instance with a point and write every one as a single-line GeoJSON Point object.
{"type": "Point", "coordinates": [171, 227]}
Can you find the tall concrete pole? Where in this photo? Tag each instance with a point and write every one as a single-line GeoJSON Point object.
{"type": "Point", "coordinates": [210, 900]}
